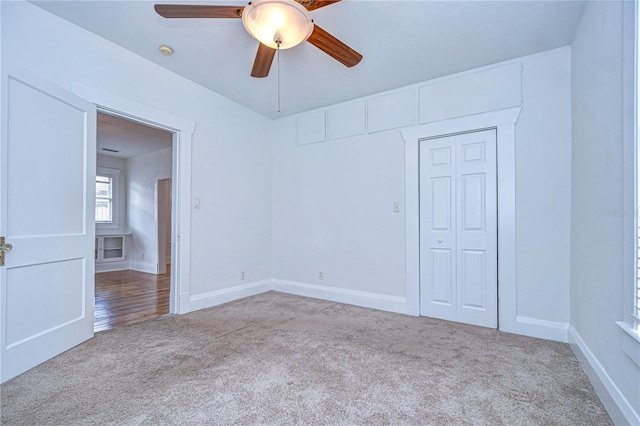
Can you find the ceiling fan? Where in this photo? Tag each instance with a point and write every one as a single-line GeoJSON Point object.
{"type": "Point", "coordinates": [276, 24]}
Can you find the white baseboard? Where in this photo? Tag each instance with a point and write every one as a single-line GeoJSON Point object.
{"type": "Point", "coordinates": [365, 299]}
{"type": "Point", "coordinates": [149, 268]}
{"type": "Point", "coordinates": [112, 266]}
{"type": "Point", "coordinates": [218, 297]}
{"type": "Point", "coordinates": [619, 409]}
{"type": "Point", "coordinates": [542, 329]}
{"type": "Point", "coordinates": [184, 302]}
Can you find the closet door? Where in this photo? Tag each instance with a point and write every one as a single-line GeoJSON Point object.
{"type": "Point", "coordinates": [438, 290]}
{"type": "Point", "coordinates": [458, 228]}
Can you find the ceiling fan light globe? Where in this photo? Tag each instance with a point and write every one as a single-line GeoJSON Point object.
{"type": "Point", "coordinates": [270, 22]}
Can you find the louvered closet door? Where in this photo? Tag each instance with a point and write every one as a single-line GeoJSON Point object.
{"type": "Point", "coordinates": [458, 228]}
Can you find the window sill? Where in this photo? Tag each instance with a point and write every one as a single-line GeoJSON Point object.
{"type": "Point", "coordinates": [630, 342]}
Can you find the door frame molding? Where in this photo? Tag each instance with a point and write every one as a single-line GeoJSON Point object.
{"type": "Point", "coordinates": [156, 201]}
{"type": "Point", "coordinates": [504, 122]}
{"type": "Point", "coordinates": [182, 131]}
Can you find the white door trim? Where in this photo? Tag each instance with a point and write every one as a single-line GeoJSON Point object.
{"type": "Point", "coordinates": [182, 130]}
{"type": "Point", "coordinates": [160, 242]}
{"type": "Point", "coordinates": [504, 122]}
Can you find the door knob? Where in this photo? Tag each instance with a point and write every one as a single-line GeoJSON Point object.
{"type": "Point", "coordinates": [440, 240]}
{"type": "Point", "coordinates": [4, 248]}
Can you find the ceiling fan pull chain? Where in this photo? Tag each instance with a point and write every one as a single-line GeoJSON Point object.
{"type": "Point", "coordinates": [278, 44]}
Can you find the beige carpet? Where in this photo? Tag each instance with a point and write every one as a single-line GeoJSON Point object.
{"type": "Point", "coordinates": [282, 359]}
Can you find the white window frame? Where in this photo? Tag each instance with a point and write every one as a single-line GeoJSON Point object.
{"type": "Point", "coordinates": [630, 213]}
{"type": "Point", "coordinates": [114, 174]}
{"type": "Point", "coordinates": [635, 304]}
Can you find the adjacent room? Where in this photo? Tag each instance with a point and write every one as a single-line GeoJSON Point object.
{"type": "Point", "coordinates": [133, 222]}
{"type": "Point", "coordinates": [319, 212]}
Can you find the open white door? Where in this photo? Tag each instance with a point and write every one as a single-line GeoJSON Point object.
{"type": "Point", "coordinates": [47, 188]}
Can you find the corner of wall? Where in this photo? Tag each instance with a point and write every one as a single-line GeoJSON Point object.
{"type": "Point", "coordinates": [614, 401]}
{"type": "Point", "coordinates": [602, 268]}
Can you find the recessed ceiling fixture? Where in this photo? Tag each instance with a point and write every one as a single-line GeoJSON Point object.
{"type": "Point", "coordinates": [277, 24]}
{"type": "Point", "coordinates": [166, 50]}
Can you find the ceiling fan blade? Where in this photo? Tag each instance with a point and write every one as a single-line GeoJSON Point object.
{"type": "Point", "coordinates": [317, 4]}
{"type": "Point", "coordinates": [334, 47]}
{"type": "Point", "coordinates": [198, 11]}
{"type": "Point", "coordinates": [262, 64]}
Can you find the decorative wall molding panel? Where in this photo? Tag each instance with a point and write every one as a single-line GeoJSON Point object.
{"type": "Point", "coordinates": [311, 128]}
{"type": "Point", "coordinates": [345, 120]}
{"type": "Point", "coordinates": [472, 92]}
{"type": "Point", "coordinates": [488, 90]}
{"type": "Point", "coordinates": [391, 110]}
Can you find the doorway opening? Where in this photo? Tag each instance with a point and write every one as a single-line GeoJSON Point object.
{"type": "Point", "coordinates": [134, 194]}
{"type": "Point", "coordinates": [182, 134]}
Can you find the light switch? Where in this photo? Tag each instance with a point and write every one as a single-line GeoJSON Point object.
{"type": "Point", "coordinates": [396, 206]}
{"type": "Point", "coordinates": [196, 203]}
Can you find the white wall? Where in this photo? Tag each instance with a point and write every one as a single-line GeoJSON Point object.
{"type": "Point", "coordinates": [333, 211]}
{"type": "Point", "coordinates": [231, 169]}
{"type": "Point", "coordinates": [121, 194]}
{"type": "Point", "coordinates": [599, 280]}
{"type": "Point", "coordinates": [333, 200]}
{"type": "Point", "coordinates": [143, 173]}
{"type": "Point", "coordinates": [543, 187]}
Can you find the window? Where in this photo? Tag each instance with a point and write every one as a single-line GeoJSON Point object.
{"type": "Point", "coordinates": [635, 316]}
{"type": "Point", "coordinates": [635, 310]}
{"type": "Point", "coordinates": [108, 199]}
{"type": "Point", "coordinates": [635, 119]}
{"type": "Point", "coordinates": [104, 199]}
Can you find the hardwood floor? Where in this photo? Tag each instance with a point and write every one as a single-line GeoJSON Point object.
{"type": "Point", "coordinates": [128, 297]}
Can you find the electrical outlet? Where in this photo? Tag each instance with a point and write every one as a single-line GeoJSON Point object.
{"type": "Point", "coordinates": [243, 275]}
{"type": "Point", "coordinates": [321, 275]}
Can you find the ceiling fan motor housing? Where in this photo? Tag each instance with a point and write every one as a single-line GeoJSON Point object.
{"type": "Point", "coordinates": [277, 23]}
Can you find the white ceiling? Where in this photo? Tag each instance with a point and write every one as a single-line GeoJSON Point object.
{"type": "Point", "coordinates": [129, 138]}
{"type": "Point", "coordinates": [403, 42]}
